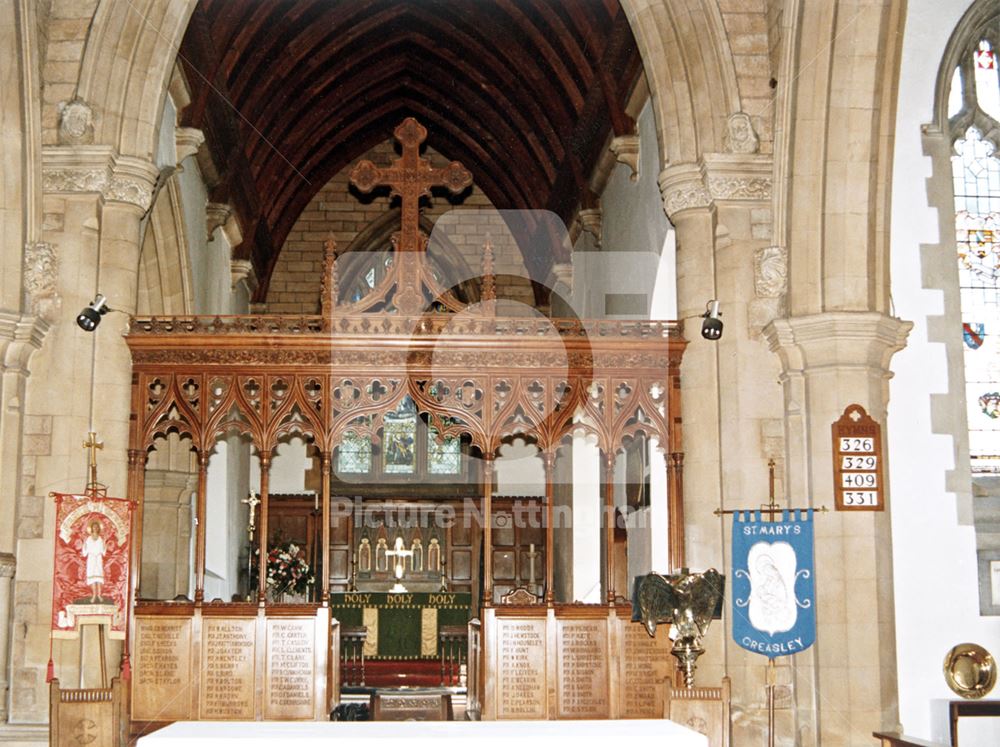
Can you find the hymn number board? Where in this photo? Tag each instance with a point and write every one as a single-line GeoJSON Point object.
{"type": "Point", "coordinates": [857, 462]}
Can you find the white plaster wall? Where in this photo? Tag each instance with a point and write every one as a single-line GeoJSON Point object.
{"type": "Point", "coordinates": [210, 275]}
{"type": "Point", "coordinates": [934, 558]}
{"type": "Point", "coordinates": [586, 517]}
{"type": "Point", "coordinates": [288, 468]}
{"type": "Point", "coordinates": [634, 227]}
{"type": "Point", "coordinates": [519, 469]}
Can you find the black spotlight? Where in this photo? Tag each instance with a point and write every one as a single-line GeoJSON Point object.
{"type": "Point", "coordinates": [711, 328]}
{"type": "Point", "coordinates": [90, 317]}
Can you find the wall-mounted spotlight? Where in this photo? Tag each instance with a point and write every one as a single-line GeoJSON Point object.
{"type": "Point", "coordinates": [711, 328]}
{"type": "Point", "coordinates": [90, 317]}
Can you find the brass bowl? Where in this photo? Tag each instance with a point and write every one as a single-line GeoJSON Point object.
{"type": "Point", "coordinates": [970, 670]}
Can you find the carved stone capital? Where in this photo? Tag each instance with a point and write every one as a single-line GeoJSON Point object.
{"type": "Point", "coordinates": [837, 339]}
{"type": "Point", "coordinates": [41, 267]}
{"type": "Point", "coordinates": [682, 187]}
{"type": "Point", "coordinates": [187, 140]}
{"type": "Point", "coordinates": [97, 168]}
{"type": "Point", "coordinates": [626, 150]}
{"type": "Point", "coordinates": [717, 177]}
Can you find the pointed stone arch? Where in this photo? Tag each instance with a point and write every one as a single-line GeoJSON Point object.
{"type": "Point", "coordinates": [691, 74]}
{"type": "Point", "coordinates": [127, 62]}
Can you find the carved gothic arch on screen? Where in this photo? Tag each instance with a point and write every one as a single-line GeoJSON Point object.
{"type": "Point", "coordinates": [960, 121]}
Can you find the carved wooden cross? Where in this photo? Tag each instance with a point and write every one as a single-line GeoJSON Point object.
{"type": "Point", "coordinates": [411, 177]}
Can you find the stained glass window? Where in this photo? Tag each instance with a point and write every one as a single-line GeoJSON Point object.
{"type": "Point", "coordinates": [976, 172]}
{"type": "Point", "coordinates": [987, 87]}
{"type": "Point", "coordinates": [443, 458]}
{"type": "Point", "coordinates": [399, 439]}
{"type": "Point", "coordinates": [354, 455]}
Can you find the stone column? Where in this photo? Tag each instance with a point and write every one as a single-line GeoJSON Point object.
{"type": "Point", "coordinates": [848, 678]}
{"type": "Point", "coordinates": [691, 210]}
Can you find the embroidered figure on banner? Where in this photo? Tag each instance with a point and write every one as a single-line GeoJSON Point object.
{"type": "Point", "coordinates": [91, 563]}
{"type": "Point", "coordinates": [773, 589]}
{"type": "Point", "coordinates": [93, 551]}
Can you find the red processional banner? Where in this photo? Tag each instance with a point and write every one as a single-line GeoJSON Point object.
{"type": "Point", "coordinates": [90, 578]}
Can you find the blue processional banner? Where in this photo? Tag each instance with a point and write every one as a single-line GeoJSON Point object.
{"type": "Point", "coordinates": [774, 607]}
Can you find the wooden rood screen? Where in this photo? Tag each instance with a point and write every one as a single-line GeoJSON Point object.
{"type": "Point", "coordinates": [470, 374]}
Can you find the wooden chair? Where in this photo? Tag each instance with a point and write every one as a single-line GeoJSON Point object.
{"type": "Point", "coordinates": [703, 709]}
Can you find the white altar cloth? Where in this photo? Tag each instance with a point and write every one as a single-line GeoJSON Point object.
{"type": "Point", "coordinates": [526, 733]}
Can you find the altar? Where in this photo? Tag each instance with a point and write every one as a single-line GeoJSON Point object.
{"type": "Point", "coordinates": [522, 733]}
{"type": "Point", "coordinates": [402, 625]}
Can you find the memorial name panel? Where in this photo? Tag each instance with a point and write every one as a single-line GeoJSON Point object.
{"type": "Point", "coordinates": [582, 647]}
{"type": "Point", "coordinates": [161, 680]}
{"type": "Point", "coordinates": [645, 668]}
{"type": "Point", "coordinates": [227, 669]}
{"type": "Point", "coordinates": [290, 686]}
{"type": "Point", "coordinates": [520, 669]}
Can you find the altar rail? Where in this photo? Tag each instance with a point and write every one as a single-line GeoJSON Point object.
{"type": "Point", "coordinates": [570, 662]}
{"type": "Point", "coordinates": [239, 662]}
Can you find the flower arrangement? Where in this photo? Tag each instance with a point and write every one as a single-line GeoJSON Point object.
{"type": "Point", "coordinates": [287, 570]}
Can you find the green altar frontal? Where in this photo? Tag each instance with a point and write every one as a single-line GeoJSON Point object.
{"type": "Point", "coordinates": [401, 626]}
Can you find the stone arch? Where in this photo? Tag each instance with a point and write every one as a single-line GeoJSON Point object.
{"type": "Point", "coordinates": [981, 16]}
{"type": "Point", "coordinates": [165, 287]}
{"type": "Point", "coordinates": [691, 74]}
{"type": "Point", "coordinates": [127, 62]}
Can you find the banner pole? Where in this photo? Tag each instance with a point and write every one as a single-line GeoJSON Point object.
{"type": "Point", "coordinates": [771, 511]}
{"type": "Point", "coordinates": [771, 678]}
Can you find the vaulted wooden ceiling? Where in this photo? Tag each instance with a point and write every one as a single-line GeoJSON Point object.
{"type": "Point", "coordinates": [525, 93]}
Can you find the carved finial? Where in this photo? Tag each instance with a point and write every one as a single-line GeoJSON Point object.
{"type": "Point", "coordinates": [330, 291]}
{"type": "Point", "coordinates": [488, 294]}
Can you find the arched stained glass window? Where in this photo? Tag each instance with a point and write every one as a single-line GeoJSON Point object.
{"type": "Point", "coordinates": [976, 178]}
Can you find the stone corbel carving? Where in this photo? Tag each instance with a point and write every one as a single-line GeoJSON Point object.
{"type": "Point", "coordinates": [740, 136]}
{"type": "Point", "coordinates": [216, 216]}
{"type": "Point", "coordinates": [770, 271]}
{"type": "Point", "coordinates": [770, 280]}
{"type": "Point", "coordinates": [242, 270]}
{"type": "Point", "coordinates": [561, 278]}
{"type": "Point", "coordinates": [590, 221]}
{"type": "Point", "coordinates": [76, 122]}
{"type": "Point", "coordinates": [187, 140]}
{"type": "Point", "coordinates": [626, 150]}
{"type": "Point", "coordinates": [41, 267]}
